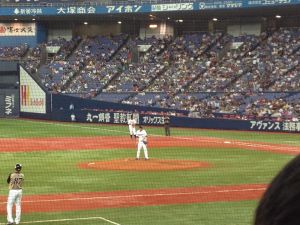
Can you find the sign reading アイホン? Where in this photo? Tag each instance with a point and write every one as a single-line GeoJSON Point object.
{"type": "Point", "coordinates": [32, 96]}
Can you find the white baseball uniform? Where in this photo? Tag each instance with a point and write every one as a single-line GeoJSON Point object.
{"type": "Point", "coordinates": [14, 196]}
{"type": "Point", "coordinates": [131, 125]}
{"type": "Point", "coordinates": [142, 136]}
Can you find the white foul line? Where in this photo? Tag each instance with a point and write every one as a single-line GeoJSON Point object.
{"type": "Point", "coordinates": [73, 219]}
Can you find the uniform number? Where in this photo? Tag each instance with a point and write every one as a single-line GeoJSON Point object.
{"type": "Point", "coordinates": [17, 181]}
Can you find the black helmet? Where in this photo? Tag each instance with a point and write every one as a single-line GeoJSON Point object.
{"type": "Point", "coordinates": [18, 167]}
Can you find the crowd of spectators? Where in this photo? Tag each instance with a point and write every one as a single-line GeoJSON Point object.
{"type": "Point", "coordinates": [66, 47]}
{"type": "Point", "coordinates": [205, 104]}
{"type": "Point", "coordinates": [32, 60]}
{"type": "Point", "coordinates": [270, 62]}
{"type": "Point", "coordinates": [56, 74]}
{"type": "Point", "coordinates": [276, 109]}
{"type": "Point", "coordinates": [135, 76]}
{"type": "Point", "coordinates": [223, 70]}
{"type": "Point", "coordinates": [289, 82]}
{"type": "Point", "coordinates": [203, 73]}
{"type": "Point", "coordinates": [184, 57]}
{"type": "Point", "coordinates": [95, 55]}
{"type": "Point", "coordinates": [13, 52]}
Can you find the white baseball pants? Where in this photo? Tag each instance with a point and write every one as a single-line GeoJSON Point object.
{"type": "Point", "coordinates": [132, 130]}
{"type": "Point", "coordinates": [14, 197]}
{"type": "Point", "coordinates": [141, 146]}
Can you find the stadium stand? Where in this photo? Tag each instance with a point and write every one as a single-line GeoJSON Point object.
{"type": "Point", "coordinates": [13, 53]}
{"type": "Point", "coordinates": [207, 74]}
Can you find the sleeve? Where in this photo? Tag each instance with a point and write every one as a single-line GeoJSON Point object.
{"type": "Point", "coordinates": [8, 179]}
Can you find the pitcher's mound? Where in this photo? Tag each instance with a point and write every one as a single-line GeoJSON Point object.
{"type": "Point", "coordinates": [145, 165]}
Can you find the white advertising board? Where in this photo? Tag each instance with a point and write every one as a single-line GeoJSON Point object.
{"type": "Point", "coordinates": [32, 96]}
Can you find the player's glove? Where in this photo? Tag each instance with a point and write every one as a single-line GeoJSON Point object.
{"type": "Point", "coordinates": [145, 142]}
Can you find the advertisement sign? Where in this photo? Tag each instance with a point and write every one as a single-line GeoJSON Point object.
{"type": "Point", "coordinates": [114, 117]}
{"type": "Point", "coordinates": [1, 105]}
{"type": "Point", "coordinates": [172, 7]}
{"type": "Point", "coordinates": [289, 126]}
{"type": "Point", "coordinates": [89, 116]}
{"type": "Point", "coordinates": [9, 104]}
{"type": "Point", "coordinates": [17, 29]}
{"type": "Point", "coordinates": [32, 96]}
{"type": "Point", "coordinates": [226, 4]}
{"type": "Point", "coordinates": [143, 8]}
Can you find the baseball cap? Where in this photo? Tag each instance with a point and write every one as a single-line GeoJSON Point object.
{"type": "Point", "coordinates": [18, 166]}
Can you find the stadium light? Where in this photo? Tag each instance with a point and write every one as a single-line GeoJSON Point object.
{"type": "Point", "coordinates": [153, 26]}
{"type": "Point", "coordinates": [215, 19]}
{"type": "Point", "coordinates": [278, 16]}
{"type": "Point", "coordinates": [152, 17]}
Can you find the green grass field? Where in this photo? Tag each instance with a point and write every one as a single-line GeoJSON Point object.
{"type": "Point", "coordinates": [56, 172]}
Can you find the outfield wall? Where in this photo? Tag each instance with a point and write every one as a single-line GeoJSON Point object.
{"type": "Point", "coordinates": [72, 109]}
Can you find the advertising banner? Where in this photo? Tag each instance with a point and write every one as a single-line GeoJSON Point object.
{"type": "Point", "coordinates": [118, 117]}
{"type": "Point", "coordinates": [1, 105]}
{"type": "Point", "coordinates": [172, 7]}
{"type": "Point", "coordinates": [32, 96]}
{"type": "Point", "coordinates": [289, 126]}
{"type": "Point", "coordinates": [17, 29]}
{"type": "Point", "coordinates": [140, 8]}
{"type": "Point", "coordinates": [9, 103]}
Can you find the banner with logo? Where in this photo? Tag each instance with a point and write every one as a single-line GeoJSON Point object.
{"type": "Point", "coordinates": [71, 10]}
{"type": "Point", "coordinates": [17, 29]}
{"type": "Point", "coordinates": [32, 96]}
{"type": "Point", "coordinates": [172, 7]}
{"type": "Point", "coordinates": [9, 103]}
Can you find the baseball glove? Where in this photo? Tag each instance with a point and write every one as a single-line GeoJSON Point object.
{"type": "Point", "coordinates": [145, 142]}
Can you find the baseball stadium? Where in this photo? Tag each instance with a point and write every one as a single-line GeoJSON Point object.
{"type": "Point", "coordinates": [149, 112]}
